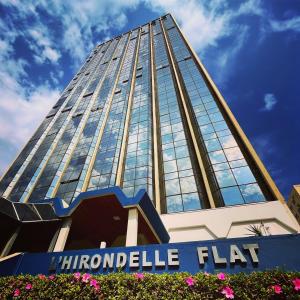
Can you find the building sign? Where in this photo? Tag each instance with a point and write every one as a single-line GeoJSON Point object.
{"type": "Point", "coordinates": [148, 259]}
{"type": "Point", "coordinates": [228, 255]}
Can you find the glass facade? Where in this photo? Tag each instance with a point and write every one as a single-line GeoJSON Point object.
{"type": "Point", "coordinates": [138, 163]}
{"type": "Point", "coordinates": [107, 157]}
{"type": "Point", "coordinates": [75, 175]}
{"type": "Point", "coordinates": [123, 100]}
{"type": "Point", "coordinates": [180, 187]}
{"type": "Point", "coordinates": [232, 174]}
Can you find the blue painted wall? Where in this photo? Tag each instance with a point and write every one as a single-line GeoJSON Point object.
{"type": "Point", "coordinates": [274, 251]}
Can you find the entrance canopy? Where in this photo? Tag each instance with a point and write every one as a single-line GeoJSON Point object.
{"type": "Point", "coordinates": [100, 217]}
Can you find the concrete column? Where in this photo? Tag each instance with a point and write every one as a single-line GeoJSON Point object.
{"type": "Point", "coordinates": [132, 227]}
{"type": "Point", "coordinates": [102, 245]}
{"type": "Point", "coordinates": [10, 242]}
{"type": "Point", "coordinates": [53, 241]}
{"type": "Point", "coordinates": [62, 235]}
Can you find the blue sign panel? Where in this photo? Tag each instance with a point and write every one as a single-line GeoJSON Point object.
{"type": "Point", "coordinates": [227, 255]}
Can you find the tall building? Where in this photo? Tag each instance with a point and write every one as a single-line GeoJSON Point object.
{"type": "Point", "coordinates": [143, 113]}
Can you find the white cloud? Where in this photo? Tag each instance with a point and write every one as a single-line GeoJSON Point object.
{"type": "Point", "coordinates": [21, 110]}
{"type": "Point", "coordinates": [75, 43]}
{"type": "Point", "coordinates": [291, 24]}
{"type": "Point", "coordinates": [23, 104]}
{"type": "Point", "coordinates": [269, 102]}
{"type": "Point", "coordinates": [5, 47]}
{"type": "Point", "coordinates": [203, 25]}
{"type": "Point", "coordinates": [206, 23]}
{"type": "Point", "coordinates": [51, 54]}
{"type": "Point", "coordinates": [7, 154]}
{"type": "Point", "coordinates": [80, 18]}
{"type": "Point", "coordinates": [251, 7]}
{"type": "Point", "coordinates": [225, 61]}
{"type": "Point", "coordinates": [42, 45]}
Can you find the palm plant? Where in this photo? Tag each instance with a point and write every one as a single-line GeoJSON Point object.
{"type": "Point", "coordinates": [258, 230]}
{"type": "Point", "coordinates": [255, 230]}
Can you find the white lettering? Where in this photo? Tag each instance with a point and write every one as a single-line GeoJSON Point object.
{"type": "Point", "coordinates": [83, 264]}
{"type": "Point", "coordinates": [134, 259]}
{"type": "Point", "coordinates": [75, 262]}
{"type": "Point", "coordinates": [66, 263]}
{"type": "Point", "coordinates": [95, 261]}
{"type": "Point", "coordinates": [145, 263]}
{"type": "Point", "coordinates": [202, 253]}
{"type": "Point", "coordinates": [173, 259]}
{"type": "Point", "coordinates": [217, 258]}
{"type": "Point", "coordinates": [158, 262]}
{"type": "Point", "coordinates": [121, 260]}
{"type": "Point", "coordinates": [252, 248]}
{"type": "Point", "coordinates": [236, 254]}
{"type": "Point", "coordinates": [108, 260]}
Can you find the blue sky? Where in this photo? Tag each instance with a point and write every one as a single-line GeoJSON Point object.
{"type": "Point", "coordinates": [251, 49]}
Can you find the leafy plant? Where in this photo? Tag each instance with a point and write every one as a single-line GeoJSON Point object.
{"type": "Point", "coordinates": [274, 284]}
{"type": "Point", "coordinates": [258, 230]}
{"type": "Point", "coordinates": [255, 230]}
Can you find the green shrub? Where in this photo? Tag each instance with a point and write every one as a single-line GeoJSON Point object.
{"type": "Point", "coordinates": [257, 285]}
